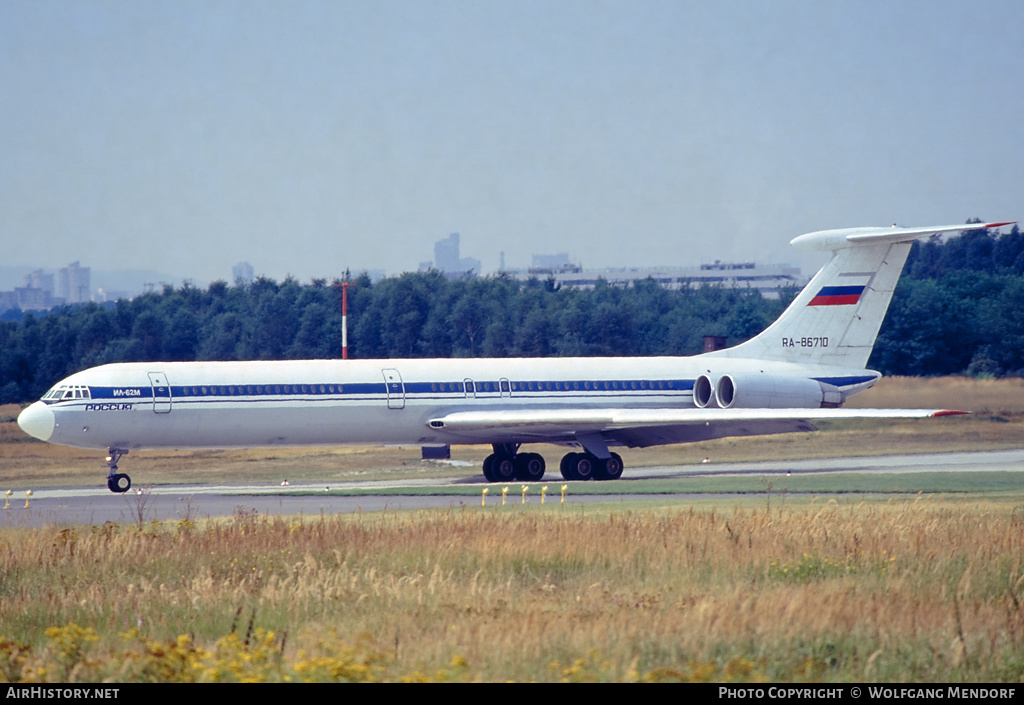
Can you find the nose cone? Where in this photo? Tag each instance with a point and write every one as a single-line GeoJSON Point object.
{"type": "Point", "coordinates": [37, 421]}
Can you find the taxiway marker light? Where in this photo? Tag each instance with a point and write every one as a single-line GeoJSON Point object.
{"type": "Point", "coordinates": [543, 491]}
{"type": "Point", "coordinates": [28, 493]}
{"type": "Point", "coordinates": [564, 488]}
{"type": "Point", "coordinates": [504, 491]}
{"type": "Point", "coordinates": [525, 488]}
{"type": "Point", "coordinates": [7, 500]}
{"type": "Point", "coordinates": [483, 497]}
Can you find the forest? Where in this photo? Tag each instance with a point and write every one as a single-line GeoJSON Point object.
{"type": "Point", "coordinates": [958, 309]}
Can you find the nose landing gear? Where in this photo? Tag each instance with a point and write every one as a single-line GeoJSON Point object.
{"type": "Point", "coordinates": [117, 482]}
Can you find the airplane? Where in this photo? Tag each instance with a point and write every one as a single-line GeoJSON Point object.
{"type": "Point", "coordinates": [798, 370]}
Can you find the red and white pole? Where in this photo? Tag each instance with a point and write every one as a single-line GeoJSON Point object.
{"type": "Point", "coordinates": [344, 320]}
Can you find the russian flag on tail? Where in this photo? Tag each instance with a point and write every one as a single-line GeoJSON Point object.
{"type": "Point", "coordinates": [837, 296]}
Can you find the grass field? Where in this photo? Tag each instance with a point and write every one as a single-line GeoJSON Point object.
{"type": "Point", "coordinates": [922, 589]}
{"type": "Point", "coordinates": [769, 585]}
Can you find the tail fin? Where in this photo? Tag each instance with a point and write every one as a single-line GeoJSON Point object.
{"type": "Point", "coordinates": [835, 319]}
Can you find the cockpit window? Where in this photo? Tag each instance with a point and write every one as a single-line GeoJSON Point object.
{"type": "Point", "coordinates": [65, 392]}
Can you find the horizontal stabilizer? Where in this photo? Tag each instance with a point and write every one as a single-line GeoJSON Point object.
{"type": "Point", "coordinates": [852, 237]}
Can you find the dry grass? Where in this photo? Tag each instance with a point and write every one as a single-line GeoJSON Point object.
{"type": "Point", "coordinates": [919, 590]}
{"type": "Point", "coordinates": [995, 424]}
{"type": "Point", "coordinates": [982, 397]}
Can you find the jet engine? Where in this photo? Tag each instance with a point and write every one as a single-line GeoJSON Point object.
{"type": "Point", "coordinates": [769, 392]}
{"type": "Point", "coordinates": [703, 391]}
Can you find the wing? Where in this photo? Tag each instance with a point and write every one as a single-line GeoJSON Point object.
{"type": "Point", "coordinates": [639, 428]}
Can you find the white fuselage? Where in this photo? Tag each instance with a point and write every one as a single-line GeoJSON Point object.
{"type": "Point", "coordinates": [323, 402]}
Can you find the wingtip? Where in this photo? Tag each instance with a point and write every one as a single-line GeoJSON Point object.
{"type": "Point", "coordinates": [949, 412]}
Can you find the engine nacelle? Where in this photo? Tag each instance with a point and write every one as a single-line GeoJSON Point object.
{"type": "Point", "coordinates": [703, 391]}
{"type": "Point", "coordinates": [768, 392]}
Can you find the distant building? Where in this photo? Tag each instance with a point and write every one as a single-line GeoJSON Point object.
{"type": "Point", "coordinates": [447, 258]}
{"type": "Point", "coordinates": [39, 279]}
{"type": "Point", "coordinates": [31, 299]}
{"type": "Point", "coordinates": [769, 279]}
{"type": "Point", "coordinates": [106, 296]}
{"type": "Point", "coordinates": [25, 298]}
{"type": "Point", "coordinates": [551, 264]}
{"type": "Point", "coordinates": [73, 284]}
{"type": "Point", "coordinates": [446, 254]}
{"type": "Point", "coordinates": [37, 294]}
{"type": "Point", "coordinates": [242, 273]}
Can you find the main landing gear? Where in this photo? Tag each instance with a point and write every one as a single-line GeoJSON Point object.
{"type": "Point", "coordinates": [117, 482]}
{"type": "Point", "coordinates": [506, 463]}
{"type": "Point", "coordinates": [584, 466]}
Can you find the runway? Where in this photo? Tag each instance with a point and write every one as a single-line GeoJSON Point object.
{"type": "Point", "coordinates": [97, 505]}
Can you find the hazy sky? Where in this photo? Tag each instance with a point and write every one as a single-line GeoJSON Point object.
{"type": "Point", "coordinates": [309, 136]}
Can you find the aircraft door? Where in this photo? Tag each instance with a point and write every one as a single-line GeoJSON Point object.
{"type": "Point", "coordinates": [161, 392]}
{"type": "Point", "coordinates": [395, 388]}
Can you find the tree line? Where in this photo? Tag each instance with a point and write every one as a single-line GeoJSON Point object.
{"type": "Point", "coordinates": [959, 308]}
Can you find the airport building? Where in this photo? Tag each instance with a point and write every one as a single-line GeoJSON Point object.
{"type": "Point", "coordinates": [769, 279]}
